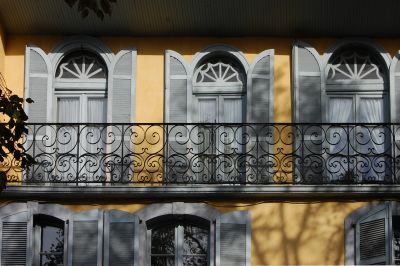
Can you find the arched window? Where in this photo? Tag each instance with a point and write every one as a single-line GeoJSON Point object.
{"type": "Point", "coordinates": [183, 242]}
{"type": "Point", "coordinates": [80, 87]}
{"type": "Point", "coordinates": [218, 86]}
{"type": "Point", "coordinates": [219, 94]}
{"type": "Point", "coordinates": [357, 92]}
{"type": "Point", "coordinates": [79, 81]}
{"type": "Point", "coordinates": [189, 234]}
{"type": "Point", "coordinates": [49, 240]}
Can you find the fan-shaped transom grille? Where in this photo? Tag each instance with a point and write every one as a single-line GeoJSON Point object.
{"type": "Point", "coordinates": [218, 72]}
{"type": "Point", "coordinates": [354, 66]}
{"type": "Point", "coordinates": [81, 66]}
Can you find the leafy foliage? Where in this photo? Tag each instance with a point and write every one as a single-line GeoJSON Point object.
{"type": "Point", "coordinates": [12, 128]}
{"type": "Point", "coordinates": [99, 7]}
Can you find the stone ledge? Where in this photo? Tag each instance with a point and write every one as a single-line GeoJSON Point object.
{"type": "Point", "coordinates": [203, 192]}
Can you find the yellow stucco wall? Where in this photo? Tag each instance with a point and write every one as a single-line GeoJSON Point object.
{"type": "Point", "coordinates": [150, 64]}
{"type": "Point", "coordinates": [2, 48]}
{"type": "Point", "coordinates": [283, 233]}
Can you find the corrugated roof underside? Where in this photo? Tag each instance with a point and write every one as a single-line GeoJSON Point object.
{"type": "Point", "coordinates": [208, 18]}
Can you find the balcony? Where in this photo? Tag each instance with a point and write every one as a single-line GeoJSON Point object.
{"type": "Point", "coordinates": [230, 157]}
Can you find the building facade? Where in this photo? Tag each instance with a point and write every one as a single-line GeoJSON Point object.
{"type": "Point", "coordinates": [175, 134]}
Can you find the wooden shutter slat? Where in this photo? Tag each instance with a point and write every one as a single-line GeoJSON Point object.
{"type": "Point", "coordinates": [373, 237]}
{"type": "Point", "coordinates": [176, 88]}
{"type": "Point", "coordinates": [233, 239]}
{"type": "Point", "coordinates": [307, 109]}
{"type": "Point", "coordinates": [14, 236]}
{"type": "Point", "coordinates": [176, 111]}
{"type": "Point", "coordinates": [37, 82]}
{"type": "Point", "coordinates": [121, 238]}
{"type": "Point", "coordinates": [85, 238]}
{"type": "Point", "coordinates": [260, 95]}
{"type": "Point", "coordinates": [259, 109]}
{"type": "Point", "coordinates": [307, 83]}
{"type": "Point", "coordinates": [122, 93]}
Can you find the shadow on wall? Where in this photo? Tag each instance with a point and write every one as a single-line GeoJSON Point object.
{"type": "Point", "coordinates": [298, 233]}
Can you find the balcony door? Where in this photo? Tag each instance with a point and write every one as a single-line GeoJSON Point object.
{"type": "Point", "coordinates": [219, 108]}
{"type": "Point", "coordinates": [80, 97]}
{"type": "Point", "coordinates": [357, 96]}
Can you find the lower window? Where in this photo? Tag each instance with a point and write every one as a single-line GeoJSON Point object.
{"type": "Point", "coordinates": [49, 241]}
{"type": "Point", "coordinates": [179, 243]}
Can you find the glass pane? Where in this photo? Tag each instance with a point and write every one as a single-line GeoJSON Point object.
{"type": "Point", "coordinates": [396, 239]}
{"type": "Point", "coordinates": [195, 240]}
{"type": "Point", "coordinates": [51, 260]}
{"type": "Point", "coordinates": [81, 66]}
{"type": "Point", "coordinates": [68, 110]}
{"type": "Point", "coordinates": [372, 110]}
{"type": "Point", "coordinates": [163, 240]}
{"type": "Point", "coordinates": [162, 261]}
{"type": "Point", "coordinates": [341, 110]}
{"type": "Point", "coordinates": [97, 108]}
{"type": "Point", "coordinates": [195, 260]}
{"type": "Point", "coordinates": [51, 243]}
{"type": "Point", "coordinates": [52, 239]}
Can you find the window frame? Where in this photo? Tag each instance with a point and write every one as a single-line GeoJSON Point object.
{"type": "Point", "coordinates": [45, 220]}
{"type": "Point", "coordinates": [176, 210]}
{"type": "Point", "coordinates": [350, 228]}
{"type": "Point", "coordinates": [179, 223]}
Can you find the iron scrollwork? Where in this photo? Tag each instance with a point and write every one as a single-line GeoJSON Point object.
{"type": "Point", "coordinates": [235, 154]}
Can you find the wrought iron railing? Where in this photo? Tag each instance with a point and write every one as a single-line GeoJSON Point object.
{"type": "Point", "coordinates": [238, 154]}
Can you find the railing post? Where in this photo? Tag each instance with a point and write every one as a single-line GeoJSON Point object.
{"type": "Point", "coordinates": [257, 156]}
{"type": "Point", "coordinates": [348, 152]}
{"type": "Point", "coordinates": [77, 154]}
{"type": "Point", "coordinates": [34, 149]}
{"type": "Point", "coordinates": [166, 155]}
{"type": "Point", "coordinates": [393, 145]}
{"type": "Point", "coordinates": [302, 171]}
{"type": "Point", "coordinates": [122, 153]}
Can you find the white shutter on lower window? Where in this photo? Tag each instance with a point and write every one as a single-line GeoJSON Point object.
{"type": "Point", "coordinates": [374, 237]}
{"type": "Point", "coordinates": [233, 239]}
{"type": "Point", "coordinates": [14, 240]}
{"type": "Point", "coordinates": [85, 240]}
{"type": "Point", "coordinates": [121, 238]}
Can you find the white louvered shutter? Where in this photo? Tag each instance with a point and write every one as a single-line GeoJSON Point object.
{"type": "Point", "coordinates": [85, 240]}
{"type": "Point", "coordinates": [176, 111]}
{"type": "Point", "coordinates": [38, 74]}
{"type": "Point", "coordinates": [260, 109]}
{"type": "Point", "coordinates": [14, 240]}
{"type": "Point", "coordinates": [37, 84]}
{"type": "Point", "coordinates": [122, 99]}
{"type": "Point", "coordinates": [395, 89]}
{"type": "Point", "coordinates": [374, 237]}
{"type": "Point", "coordinates": [395, 102]}
{"type": "Point", "coordinates": [121, 239]}
{"type": "Point", "coordinates": [307, 105]}
{"type": "Point", "coordinates": [233, 239]}
{"type": "Point", "coordinates": [260, 91]}
{"type": "Point", "coordinates": [123, 86]}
